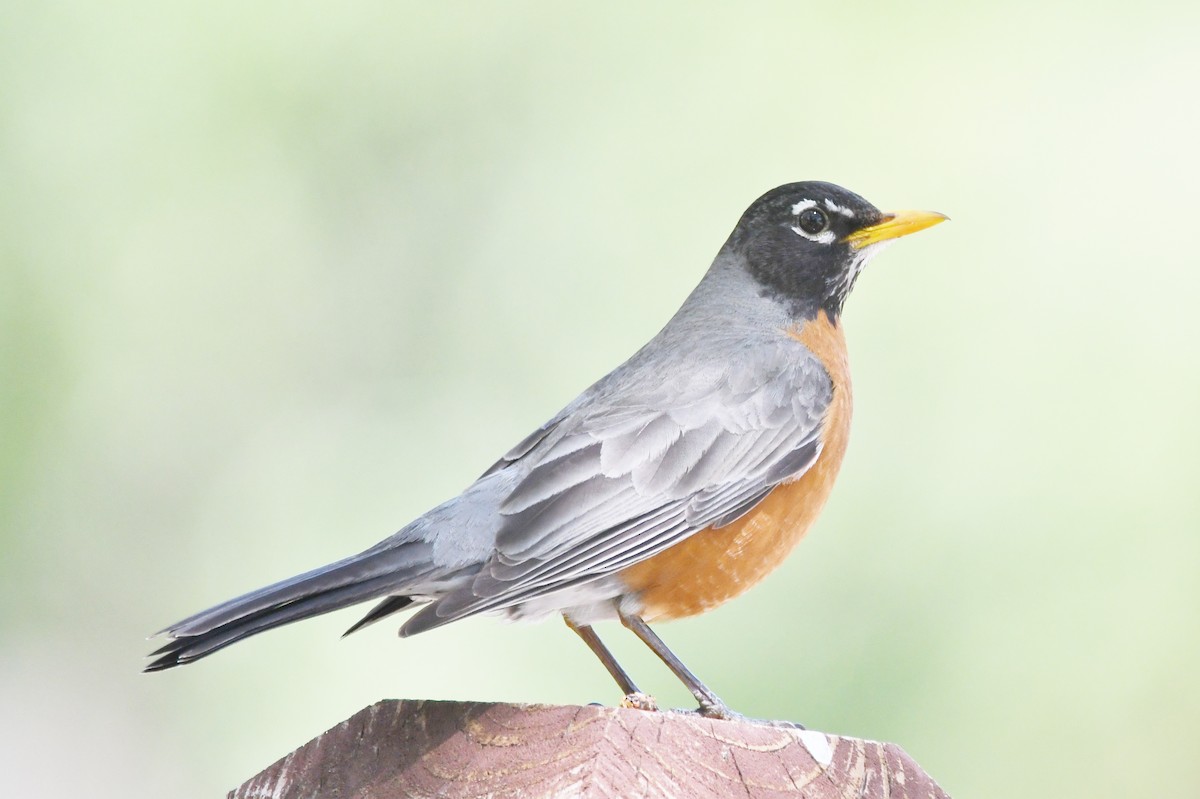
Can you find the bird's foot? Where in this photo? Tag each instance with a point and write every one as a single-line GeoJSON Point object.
{"type": "Point", "coordinates": [716, 709]}
{"type": "Point", "coordinates": [639, 701]}
{"type": "Point", "coordinates": [719, 710]}
{"type": "Point", "coordinates": [781, 724]}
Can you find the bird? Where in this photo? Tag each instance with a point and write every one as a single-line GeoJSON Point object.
{"type": "Point", "coordinates": [673, 484]}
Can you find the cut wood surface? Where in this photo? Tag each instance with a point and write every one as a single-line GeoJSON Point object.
{"type": "Point", "coordinates": [405, 748]}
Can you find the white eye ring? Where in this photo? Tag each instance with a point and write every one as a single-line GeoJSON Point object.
{"type": "Point", "coordinates": [822, 236]}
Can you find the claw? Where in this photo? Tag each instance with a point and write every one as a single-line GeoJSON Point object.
{"type": "Point", "coordinates": [719, 710]}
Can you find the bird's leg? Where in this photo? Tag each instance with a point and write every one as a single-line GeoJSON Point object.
{"type": "Point", "coordinates": [633, 697]}
{"type": "Point", "coordinates": [710, 704]}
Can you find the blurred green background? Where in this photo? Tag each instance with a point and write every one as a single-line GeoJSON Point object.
{"type": "Point", "coordinates": [275, 278]}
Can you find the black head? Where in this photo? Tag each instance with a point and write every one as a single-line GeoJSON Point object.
{"type": "Point", "coordinates": [805, 243]}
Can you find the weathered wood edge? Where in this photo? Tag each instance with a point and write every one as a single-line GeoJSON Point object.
{"type": "Point", "coordinates": [419, 748]}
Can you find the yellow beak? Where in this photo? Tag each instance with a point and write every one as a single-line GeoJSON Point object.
{"type": "Point", "coordinates": [893, 226]}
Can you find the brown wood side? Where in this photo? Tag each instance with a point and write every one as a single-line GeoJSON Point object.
{"type": "Point", "coordinates": [404, 748]}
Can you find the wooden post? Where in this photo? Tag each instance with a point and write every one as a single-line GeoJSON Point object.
{"type": "Point", "coordinates": [404, 748]}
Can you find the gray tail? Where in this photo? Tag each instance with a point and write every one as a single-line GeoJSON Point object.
{"type": "Point", "coordinates": [372, 574]}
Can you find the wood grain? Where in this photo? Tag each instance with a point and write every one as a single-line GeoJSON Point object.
{"type": "Point", "coordinates": [403, 748]}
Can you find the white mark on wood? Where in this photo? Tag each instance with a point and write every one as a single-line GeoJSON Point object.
{"type": "Point", "coordinates": [281, 781]}
{"type": "Point", "coordinates": [817, 744]}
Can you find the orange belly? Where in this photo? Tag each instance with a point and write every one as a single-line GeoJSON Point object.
{"type": "Point", "coordinates": [715, 565]}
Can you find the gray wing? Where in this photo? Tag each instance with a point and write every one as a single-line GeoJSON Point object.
{"type": "Point", "coordinates": [626, 472]}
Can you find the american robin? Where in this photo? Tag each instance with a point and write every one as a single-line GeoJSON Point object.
{"type": "Point", "coordinates": [671, 485]}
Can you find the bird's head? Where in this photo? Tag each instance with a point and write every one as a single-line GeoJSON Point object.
{"type": "Point", "coordinates": [806, 243]}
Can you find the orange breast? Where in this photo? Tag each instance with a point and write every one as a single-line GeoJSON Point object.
{"type": "Point", "coordinates": [713, 566]}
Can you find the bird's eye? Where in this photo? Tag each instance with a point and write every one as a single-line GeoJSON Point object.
{"type": "Point", "coordinates": [813, 221]}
